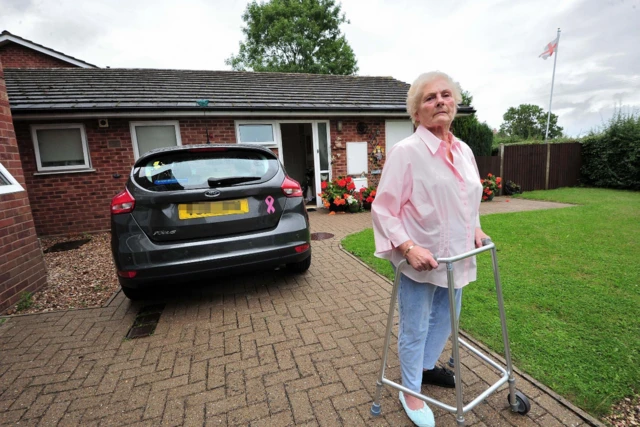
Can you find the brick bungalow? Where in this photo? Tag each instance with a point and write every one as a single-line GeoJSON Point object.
{"type": "Point", "coordinates": [79, 128]}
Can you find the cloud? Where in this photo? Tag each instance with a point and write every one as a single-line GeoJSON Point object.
{"type": "Point", "coordinates": [490, 47]}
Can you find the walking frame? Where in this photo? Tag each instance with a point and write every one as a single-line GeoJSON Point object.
{"type": "Point", "coordinates": [517, 401]}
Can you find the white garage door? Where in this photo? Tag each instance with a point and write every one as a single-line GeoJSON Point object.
{"type": "Point", "coordinates": [396, 131]}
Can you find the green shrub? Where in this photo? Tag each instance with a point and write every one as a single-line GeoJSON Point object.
{"type": "Point", "coordinates": [478, 136]}
{"type": "Point", "coordinates": [26, 301]}
{"type": "Point", "coordinates": [611, 157]}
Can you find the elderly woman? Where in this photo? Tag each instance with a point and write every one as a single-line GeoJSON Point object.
{"type": "Point", "coordinates": [426, 206]}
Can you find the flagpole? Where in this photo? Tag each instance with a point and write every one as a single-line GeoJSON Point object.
{"type": "Point", "coordinates": [553, 78]}
{"type": "Point", "coordinates": [546, 134]}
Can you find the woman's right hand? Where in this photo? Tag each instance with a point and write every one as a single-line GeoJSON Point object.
{"type": "Point", "coordinates": [421, 259]}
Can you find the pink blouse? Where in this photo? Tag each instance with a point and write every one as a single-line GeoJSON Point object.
{"type": "Point", "coordinates": [424, 197]}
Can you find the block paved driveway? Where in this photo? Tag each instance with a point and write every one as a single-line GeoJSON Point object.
{"type": "Point", "coordinates": [268, 349]}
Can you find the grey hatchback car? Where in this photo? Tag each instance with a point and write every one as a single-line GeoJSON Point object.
{"type": "Point", "coordinates": [206, 209]}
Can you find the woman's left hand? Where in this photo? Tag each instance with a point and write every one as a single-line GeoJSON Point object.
{"type": "Point", "coordinates": [479, 236]}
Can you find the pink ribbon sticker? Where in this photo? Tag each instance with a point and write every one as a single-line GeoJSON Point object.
{"type": "Point", "coordinates": [269, 201]}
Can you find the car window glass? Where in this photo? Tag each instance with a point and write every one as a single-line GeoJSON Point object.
{"type": "Point", "coordinates": [192, 170]}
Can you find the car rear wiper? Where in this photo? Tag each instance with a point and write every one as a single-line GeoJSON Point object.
{"type": "Point", "coordinates": [221, 182]}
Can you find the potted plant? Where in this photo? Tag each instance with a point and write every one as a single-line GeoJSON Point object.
{"type": "Point", "coordinates": [353, 204]}
{"type": "Point", "coordinates": [490, 186]}
{"type": "Point", "coordinates": [368, 196]}
{"type": "Point", "coordinates": [335, 193]}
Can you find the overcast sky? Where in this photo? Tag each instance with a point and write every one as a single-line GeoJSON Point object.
{"type": "Point", "coordinates": [490, 46]}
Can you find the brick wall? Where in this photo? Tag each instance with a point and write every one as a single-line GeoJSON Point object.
{"type": "Point", "coordinates": [350, 134]}
{"type": "Point", "coordinates": [17, 56]}
{"type": "Point", "coordinates": [79, 202]}
{"type": "Point", "coordinates": [21, 263]}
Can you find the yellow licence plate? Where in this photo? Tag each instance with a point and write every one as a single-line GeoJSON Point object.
{"type": "Point", "coordinates": [206, 209]}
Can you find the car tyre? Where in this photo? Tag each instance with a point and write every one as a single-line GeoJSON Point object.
{"type": "Point", "coordinates": [300, 266]}
{"type": "Point", "coordinates": [133, 294]}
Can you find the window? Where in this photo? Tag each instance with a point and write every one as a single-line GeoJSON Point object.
{"type": "Point", "coordinates": [8, 183]}
{"type": "Point", "coordinates": [60, 147]}
{"type": "Point", "coordinates": [256, 133]}
{"type": "Point", "coordinates": [147, 136]}
{"type": "Point", "coordinates": [178, 170]}
{"type": "Point", "coordinates": [396, 131]}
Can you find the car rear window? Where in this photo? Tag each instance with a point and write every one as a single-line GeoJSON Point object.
{"type": "Point", "coordinates": [193, 169]}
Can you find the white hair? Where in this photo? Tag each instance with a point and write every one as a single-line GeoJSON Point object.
{"type": "Point", "coordinates": [414, 96]}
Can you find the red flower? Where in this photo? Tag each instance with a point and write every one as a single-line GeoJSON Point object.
{"type": "Point", "coordinates": [323, 185]}
{"type": "Point", "coordinates": [348, 179]}
{"type": "Point", "coordinates": [370, 199]}
{"type": "Point", "coordinates": [373, 193]}
{"type": "Point", "coordinates": [490, 175]}
{"type": "Point", "coordinates": [351, 186]}
{"type": "Point", "coordinates": [362, 190]}
{"type": "Point", "coordinates": [342, 183]}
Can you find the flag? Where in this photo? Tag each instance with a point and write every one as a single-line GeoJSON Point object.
{"type": "Point", "coordinates": [550, 49]}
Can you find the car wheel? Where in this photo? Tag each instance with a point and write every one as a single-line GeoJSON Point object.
{"type": "Point", "coordinates": [301, 266]}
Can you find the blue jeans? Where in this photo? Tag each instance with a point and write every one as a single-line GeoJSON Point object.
{"type": "Point", "coordinates": [425, 326]}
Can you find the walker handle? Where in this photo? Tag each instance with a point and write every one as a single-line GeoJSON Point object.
{"type": "Point", "coordinates": [486, 241]}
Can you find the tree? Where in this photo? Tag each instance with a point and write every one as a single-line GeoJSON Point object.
{"type": "Point", "coordinates": [529, 122]}
{"type": "Point", "coordinates": [294, 36]}
{"type": "Point", "coordinates": [478, 136]}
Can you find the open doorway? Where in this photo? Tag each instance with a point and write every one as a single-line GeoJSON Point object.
{"type": "Point", "coordinates": [298, 158]}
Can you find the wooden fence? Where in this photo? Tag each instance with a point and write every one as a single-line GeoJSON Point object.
{"type": "Point", "coordinates": [526, 165]}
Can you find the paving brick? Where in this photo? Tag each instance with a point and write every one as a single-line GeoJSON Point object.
{"type": "Point", "coordinates": [153, 377]}
{"type": "Point", "coordinates": [283, 419]}
{"type": "Point", "coordinates": [281, 377]}
{"type": "Point", "coordinates": [349, 400]}
{"type": "Point", "coordinates": [225, 405]}
{"type": "Point", "coordinates": [54, 414]}
{"type": "Point", "coordinates": [326, 414]}
{"type": "Point", "coordinates": [70, 419]}
{"type": "Point", "coordinates": [327, 391]}
{"type": "Point", "coordinates": [11, 417]}
{"type": "Point", "coordinates": [156, 404]}
{"type": "Point", "coordinates": [243, 416]}
{"type": "Point", "coordinates": [277, 398]}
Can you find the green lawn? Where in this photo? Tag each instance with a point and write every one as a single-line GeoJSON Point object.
{"type": "Point", "coordinates": [571, 283]}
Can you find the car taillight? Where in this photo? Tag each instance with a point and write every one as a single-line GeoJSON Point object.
{"type": "Point", "coordinates": [291, 188]}
{"type": "Point", "coordinates": [302, 248]}
{"type": "Point", "coordinates": [122, 203]}
{"type": "Point", "coordinates": [127, 274]}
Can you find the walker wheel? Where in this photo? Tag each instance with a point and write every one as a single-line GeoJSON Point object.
{"type": "Point", "coordinates": [523, 403]}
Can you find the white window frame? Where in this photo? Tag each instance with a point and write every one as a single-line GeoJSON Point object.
{"type": "Point", "coordinates": [13, 187]}
{"type": "Point", "coordinates": [85, 147]}
{"type": "Point", "coordinates": [134, 138]}
{"type": "Point", "coordinates": [275, 127]}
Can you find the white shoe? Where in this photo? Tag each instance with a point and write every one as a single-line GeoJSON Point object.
{"type": "Point", "coordinates": [422, 417]}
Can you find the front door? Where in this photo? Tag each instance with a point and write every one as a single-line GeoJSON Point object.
{"type": "Point", "coordinates": [305, 153]}
{"type": "Point", "coordinates": [322, 150]}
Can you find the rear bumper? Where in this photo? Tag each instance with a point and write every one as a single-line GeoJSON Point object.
{"type": "Point", "coordinates": [158, 263]}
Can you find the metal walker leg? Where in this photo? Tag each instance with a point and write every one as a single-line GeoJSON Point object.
{"type": "Point", "coordinates": [375, 407]}
{"type": "Point", "coordinates": [517, 401]}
